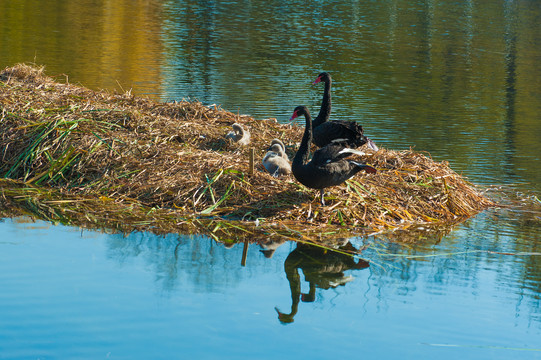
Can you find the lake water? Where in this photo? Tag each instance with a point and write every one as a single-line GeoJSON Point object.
{"type": "Point", "coordinates": [459, 80]}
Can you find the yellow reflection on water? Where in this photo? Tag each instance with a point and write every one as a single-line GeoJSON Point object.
{"type": "Point", "coordinates": [110, 44]}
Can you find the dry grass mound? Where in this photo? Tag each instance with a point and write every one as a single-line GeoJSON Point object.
{"type": "Point", "coordinates": [174, 156]}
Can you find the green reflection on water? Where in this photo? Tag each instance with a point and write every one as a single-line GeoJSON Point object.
{"type": "Point", "coordinates": [459, 80]}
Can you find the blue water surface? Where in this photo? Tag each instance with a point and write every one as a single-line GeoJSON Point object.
{"type": "Point", "coordinates": [70, 293]}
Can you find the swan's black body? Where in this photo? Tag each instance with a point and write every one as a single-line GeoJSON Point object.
{"type": "Point", "coordinates": [328, 166]}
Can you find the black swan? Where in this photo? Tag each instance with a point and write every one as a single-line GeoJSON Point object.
{"type": "Point", "coordinates": [274, 161]}
{"type": "Point", "coordinates": [239, 134]}
{"type": "Point", "coordinates": [325, 131]}
{"type": "Point", "coordinates": [328, 166]}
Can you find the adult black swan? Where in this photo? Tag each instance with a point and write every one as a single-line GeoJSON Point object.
{"type": "Point", "coordinates": [325, 131]}
{"type": "Point", "coordinates": [328, 166]}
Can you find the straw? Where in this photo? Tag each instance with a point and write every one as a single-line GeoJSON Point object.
{"type": "Point", "coordinates": [86, 145]}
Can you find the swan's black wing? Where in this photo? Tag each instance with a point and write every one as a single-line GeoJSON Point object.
{"type": "Point", "coordinates": [346, 132]}
{"type": "Point", "coordinates": [332, 153]}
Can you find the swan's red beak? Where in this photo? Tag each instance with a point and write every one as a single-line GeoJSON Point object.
{"type": "Point", "coordinates": [317, 80]}
{"type": "Point", "coordinates": [293, 116]}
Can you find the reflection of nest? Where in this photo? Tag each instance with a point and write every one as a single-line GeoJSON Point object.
{"type": "Point", "coordinates": [175, 156]}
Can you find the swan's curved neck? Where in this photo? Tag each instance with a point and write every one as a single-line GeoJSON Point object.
{"type": "Point", "coordinates": [325, 110]}
{"type": "Point", "coordinates": [304, 149]}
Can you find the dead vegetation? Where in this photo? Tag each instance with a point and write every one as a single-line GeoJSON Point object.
{"type": "Point", "coordinates": [123, 153]}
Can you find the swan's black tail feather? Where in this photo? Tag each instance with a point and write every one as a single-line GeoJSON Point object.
{"type": "Point", "coordinates": [369, 169]}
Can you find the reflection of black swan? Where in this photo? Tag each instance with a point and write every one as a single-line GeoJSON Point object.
{"type": "Point", "coordinates": [325, 131]}
{"type": "Point", "coordinates": [239, 134]}
{"type": "Point", "coordinates": [328, 166]}
{"type": "Point", "coordinates": [321, 268]}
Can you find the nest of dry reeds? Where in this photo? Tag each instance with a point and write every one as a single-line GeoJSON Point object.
{"type": "Point", "coordinates": [174, 156]}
